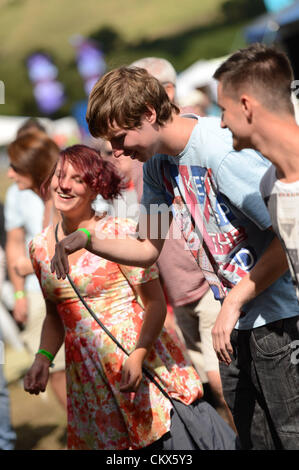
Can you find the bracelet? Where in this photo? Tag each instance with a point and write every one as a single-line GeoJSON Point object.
{"type": "Point", "coordinates": [87, 232]}
{"type": "Point", "coordinates": [19, 294]}
{"type": "Point", "coordinates": [48, 356]}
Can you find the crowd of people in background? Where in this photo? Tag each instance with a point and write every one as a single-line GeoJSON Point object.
{"type": "Point", "coordinates": [202, 292]}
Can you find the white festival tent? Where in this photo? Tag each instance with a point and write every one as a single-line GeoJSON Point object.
{"type": "Point", "coordinates": [198, 75]}
{"type": "Point", "coordinates": [64, 131]}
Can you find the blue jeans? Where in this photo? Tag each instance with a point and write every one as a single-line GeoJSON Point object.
{"type": "Point", "coordinates": [7, 434]}
{"type": "Point", "coordinates": [261, 385]}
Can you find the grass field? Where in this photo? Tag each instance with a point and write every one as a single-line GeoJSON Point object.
{"type": "Point", "coordinates": [27, 24]}
{"type": "Point", "coordinates": [182, 32]}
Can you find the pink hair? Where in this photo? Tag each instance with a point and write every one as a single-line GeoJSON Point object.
{"type": "Point", "coordinates": [99, 174]}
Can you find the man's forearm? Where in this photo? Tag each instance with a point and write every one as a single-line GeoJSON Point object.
{"type": "Point", "coordinates": [126, 249]}
{"type": "Point", "coordinates": [141, 248]}
{"type": "Point", "coordinates": [270, 267]}
{"type": "Point", "coordinates": [129, 251]}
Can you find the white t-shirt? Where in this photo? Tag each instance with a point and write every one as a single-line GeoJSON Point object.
{"type": "Point", "coordinates": [24, 209]}
{"type": "Point", "coordinates": [282, 200]}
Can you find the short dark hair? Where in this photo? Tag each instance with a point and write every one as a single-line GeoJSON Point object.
{"type": "Point", "coordinates": [266, 70]}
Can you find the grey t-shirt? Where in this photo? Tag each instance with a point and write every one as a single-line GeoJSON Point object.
{"type": "Point", "coordinates": [282, 200]}
{"type": "Point", "coordinates": [215, 197]}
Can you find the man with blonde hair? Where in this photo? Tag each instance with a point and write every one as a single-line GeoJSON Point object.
{"type": "Point", "coordinates": [214, 194]}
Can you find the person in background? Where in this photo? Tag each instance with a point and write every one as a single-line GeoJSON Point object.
{"type": "Point", "coordinates": [10, 329]}
{"type": "Point", "coordinates": [188, 292]}
{"type": "Point", "coordinates": [31, 125]}
{"type": "Point", "coordinates": [7, 433]}
{"type": "Point", "coordinates": [195, 102]}
{"type": "Point", "coordinates": [32, 156]}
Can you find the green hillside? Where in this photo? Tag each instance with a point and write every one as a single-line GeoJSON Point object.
{"type": "Point", "coordinates": [26, 24]}
{"type": "Point", "coordinates": [182, 31]}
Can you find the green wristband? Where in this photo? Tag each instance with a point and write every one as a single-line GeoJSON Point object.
{"type": "Point", "coordinates": [86, 232]}
{"type": "Point", "coordinates": [47, 354]}
{"type": "Point", "coordinates": [19, 294]}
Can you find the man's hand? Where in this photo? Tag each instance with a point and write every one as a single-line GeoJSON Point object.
{"type": "Point", "coordinates": [36, 379]}
{"type": "Point", "coordinates": [73, 242]}
{"type": "Point", "coordinates": [224, 325]}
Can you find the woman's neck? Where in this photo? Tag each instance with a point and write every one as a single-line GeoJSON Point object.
{"type": "Point", "coordinates": [71, 224]}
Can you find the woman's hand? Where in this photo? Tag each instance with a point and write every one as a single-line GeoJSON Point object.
{"type": "Point", "coordinates": [36, 379]}
{"type": "Point", "coordinates": [132, 371]}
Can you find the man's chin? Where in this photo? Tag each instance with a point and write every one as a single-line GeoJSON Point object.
{"type": "Point", "coordinates": [238, 145]}
{"type": "Point", "coordinates": [140, 158]}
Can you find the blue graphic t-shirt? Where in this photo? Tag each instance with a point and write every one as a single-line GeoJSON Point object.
{"type": "Point", "coordinates": [215, 198]}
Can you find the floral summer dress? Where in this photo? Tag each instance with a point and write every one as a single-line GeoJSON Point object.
{"type": "Point", "coordinates": [99, 415]}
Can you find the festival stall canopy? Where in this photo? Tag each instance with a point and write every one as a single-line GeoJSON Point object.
{"type": "Point", "coordinates": [198, 75]}
{"type": "Point", "coordinates": [266, 27]}
{"type": "Point", "coordinates": [64, 131]}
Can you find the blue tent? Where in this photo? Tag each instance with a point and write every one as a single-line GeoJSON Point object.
{"type": "Point", "coordinates": [266, 27]}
